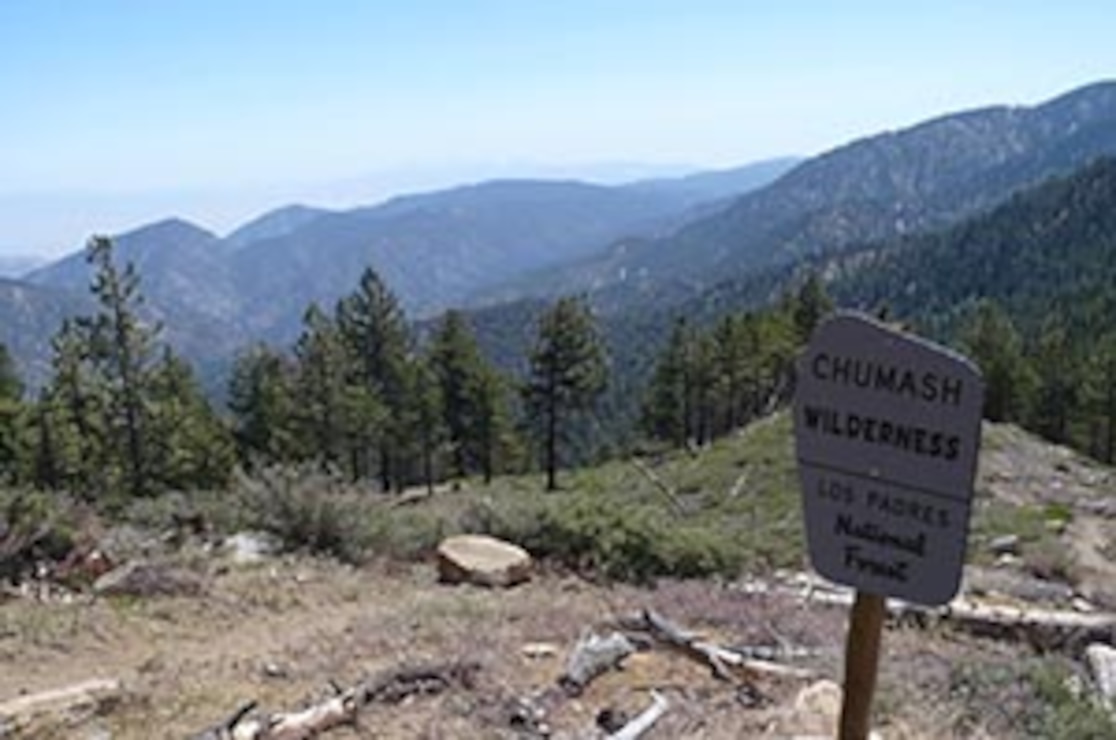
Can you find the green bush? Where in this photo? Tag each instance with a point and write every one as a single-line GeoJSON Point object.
{"type": "Point", "coordinates": [311, 510]}
{"type": "Point", "coordinates": [35, 527]}
{"type": "Point", "coordinates": [592, 533]}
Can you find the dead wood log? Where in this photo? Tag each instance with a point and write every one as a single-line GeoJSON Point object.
{"type": "Point", "coordinates": [85, 697]}
{"type": "Point", "coordinates": [719, 659]}
{"type": "Point", "coordinates": [663, 630]}
{"type": "Point", "coordinates": [592, 656]}
{"type": "Point", "coordinates": [644, 720]}
{"type": "Point", "coordinates": [389, 687]}
{"type": "Point", "coordinates": [1041, 628]}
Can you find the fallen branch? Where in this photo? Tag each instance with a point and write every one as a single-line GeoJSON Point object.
{"type": "Point", "coordinates": [663, 630]}
{"type": "Point", "coordinates": [592, 656]}
{"type": "Point", "coordinates": [88, 696]}
{"type": "Point", "coordinates": [1045, 629]}
{"type": "Point", "coordinates": [390, 687]}
{"type": "Point", "coordinates": [668, 491]}
{"type": "Point", "coordinates": [644, 720]}
{"type": "Point", "coordinates": [719, 659]}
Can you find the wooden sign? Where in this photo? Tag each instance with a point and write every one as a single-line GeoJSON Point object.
{"type": "Point", "coordinates": [887, 431]}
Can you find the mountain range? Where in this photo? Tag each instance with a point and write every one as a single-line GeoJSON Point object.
{"type": "Point", "coordinates": [890, 184]}
{"type": "Point", "coordinates": [639, 250]}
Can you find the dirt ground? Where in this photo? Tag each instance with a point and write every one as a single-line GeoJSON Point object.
{"type": "Point", "coordinates": [282, 631]}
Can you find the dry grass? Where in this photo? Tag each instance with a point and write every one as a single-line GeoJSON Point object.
{"type": "Point", "coordinates": [280, 632]}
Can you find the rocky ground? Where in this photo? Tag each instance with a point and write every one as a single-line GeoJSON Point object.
{"type": "Point", "coordinates": [284, 631]}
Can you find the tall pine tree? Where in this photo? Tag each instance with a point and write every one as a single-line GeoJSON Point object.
{"type": "Point", "coordinates": [567, 373]}
{"type": "Point", "coordinates": [374, 330]}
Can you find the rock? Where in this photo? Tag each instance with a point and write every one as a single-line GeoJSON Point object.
{"type": "Point", "coordinates": [251, 547]}
{"type": "Point", "coordinates": [536, 650]}
{"type": "Point", "coordinates": [1102, 664]}
{"type": "Point", "coordinates": [815, 713]}
{"type": "Point", "coordinates": [482, 560]}
{"type": "Point", "coordinates": [1007, 544]}
{"type": "Point", "coordinates": [144, 578]}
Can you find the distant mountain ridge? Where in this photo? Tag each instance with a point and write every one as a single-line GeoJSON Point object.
{"type": "Point", "coordinates": [435, 249]}
{"type": "Point", "coordinates": [895, 183]}
{"type": "Point", "coordinates": [640, 250]}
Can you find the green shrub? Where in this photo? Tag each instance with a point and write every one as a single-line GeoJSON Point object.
{"type": "Point", "coordinates": [311, 510]}
{"type": "Point", "coordinates": [35, 527]}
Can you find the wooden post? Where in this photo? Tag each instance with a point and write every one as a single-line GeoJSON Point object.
{"type": "Point", "coordinates": [862, 657]}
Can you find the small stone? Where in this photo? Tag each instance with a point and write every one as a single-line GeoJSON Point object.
{"type": "Point", "coordinates": [274, 670]}
{"type": "Point", "coordinates": [536, 650]}
{"type": "Point", "coordinates": [1007, 544]}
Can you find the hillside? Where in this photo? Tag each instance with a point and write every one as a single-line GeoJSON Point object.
{"type": "Point", "coordinates": [1048, 250]}
{"type": "Point", "coordinates": [281, 628]}
{"type": "Point", "coordinates": [436, 249]}
{"type": "Point", "coordinates": [895, 183]}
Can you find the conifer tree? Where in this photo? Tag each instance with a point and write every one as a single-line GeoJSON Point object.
{"type": "Point", "coordinates": [375, 333]}
{"type": "Point", "coordinates": [320, 388]}
{"type": "Point", "coordinates": [11, 414]}
{"type": "Point", "coordinates": [667, 411]}
{"type": "Point", "coordinates": [1056, 396]}
{"type": "Point", "coordinates": [1099, 398]}
{"type": "Point", "coordinates": [191, 446]}
{"type": "Point", "coordinates": [492, 440]}
{"type": "Point", "coordinates": [811, 305]}
{"type": "Point", "coordinates": [262, 407]}
{"type": "Point", "coordinates": [429, 417]}
{"type": "Point", "coordinates": [567, 373]}
{"type": "Point", "coordinates": [458, 366]}
{"type": "Point", "coordinates": [72, 446]}
{"type": "Point", "coordinates": [990, 338]}
{"type": "Point", "coordinates": [122, 348]}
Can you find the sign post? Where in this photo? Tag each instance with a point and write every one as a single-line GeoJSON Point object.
{"type": "Point", "coordinates": [887, 431]}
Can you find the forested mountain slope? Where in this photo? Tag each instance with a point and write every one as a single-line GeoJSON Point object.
{"type": "Point", "coordinates": [895, 183]}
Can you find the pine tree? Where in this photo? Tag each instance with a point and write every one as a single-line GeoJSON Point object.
{"type": "Point", "coordinates": [429, 417]}
{"type": "Point", "coordinates": [374, 330]}
{"type": "Point", "coordinates": [457, 363]}
{"type": "Point", "coordinates": [1056, 396]}
{"type": "Point", "coordinates": [811, 305]}
{"type": "Point", "coordinates": [990, 338]}
{"type": "Point", "coordinates": [667, 411]}
{"type": "Point", "coordinates": [493, 439]}
{"type": "Point", "coordinates": [122, 347]}
{"type": "Point", "coordinates": [11, 415]}
{"type": "Point", "coordinates": [1099, 398]}
{"type": "Point", "coordinates": [262, 407]}
{"type": "Point", "coordinates": [321, 378]}
{"type": "Point", "coordinates": [73, 443]}
{"type": "Point", "coordinates": [191, 446]}
{"type": "Point", "coordinates": [567, 372]}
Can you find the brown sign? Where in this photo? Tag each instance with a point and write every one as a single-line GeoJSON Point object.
{"type": "Point", "coordinates": [887, 432]}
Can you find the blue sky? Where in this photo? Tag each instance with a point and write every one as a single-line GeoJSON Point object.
{"type": "Point", "coordinates": [120, 111]}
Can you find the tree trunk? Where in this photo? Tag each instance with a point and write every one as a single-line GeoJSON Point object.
{"type": "Point", "coordinates": [552, 437]}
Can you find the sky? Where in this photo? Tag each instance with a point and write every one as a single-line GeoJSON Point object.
{"type": "Point", "coordinates": [119, 112]}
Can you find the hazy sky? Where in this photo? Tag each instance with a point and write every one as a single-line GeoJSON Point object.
{"type": "Point", "coordinates": [115, 112]}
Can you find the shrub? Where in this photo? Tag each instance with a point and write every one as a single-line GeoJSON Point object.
{"type": "Point", "coordinates": [35, 527]}
{"type": "Point", "coordinates": [310, 509]}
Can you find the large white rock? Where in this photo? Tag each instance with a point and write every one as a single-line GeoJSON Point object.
{"type": "Point", "coordinates": [483, 560]}
{"type": "Point", "coordinates": [1102, 662]}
